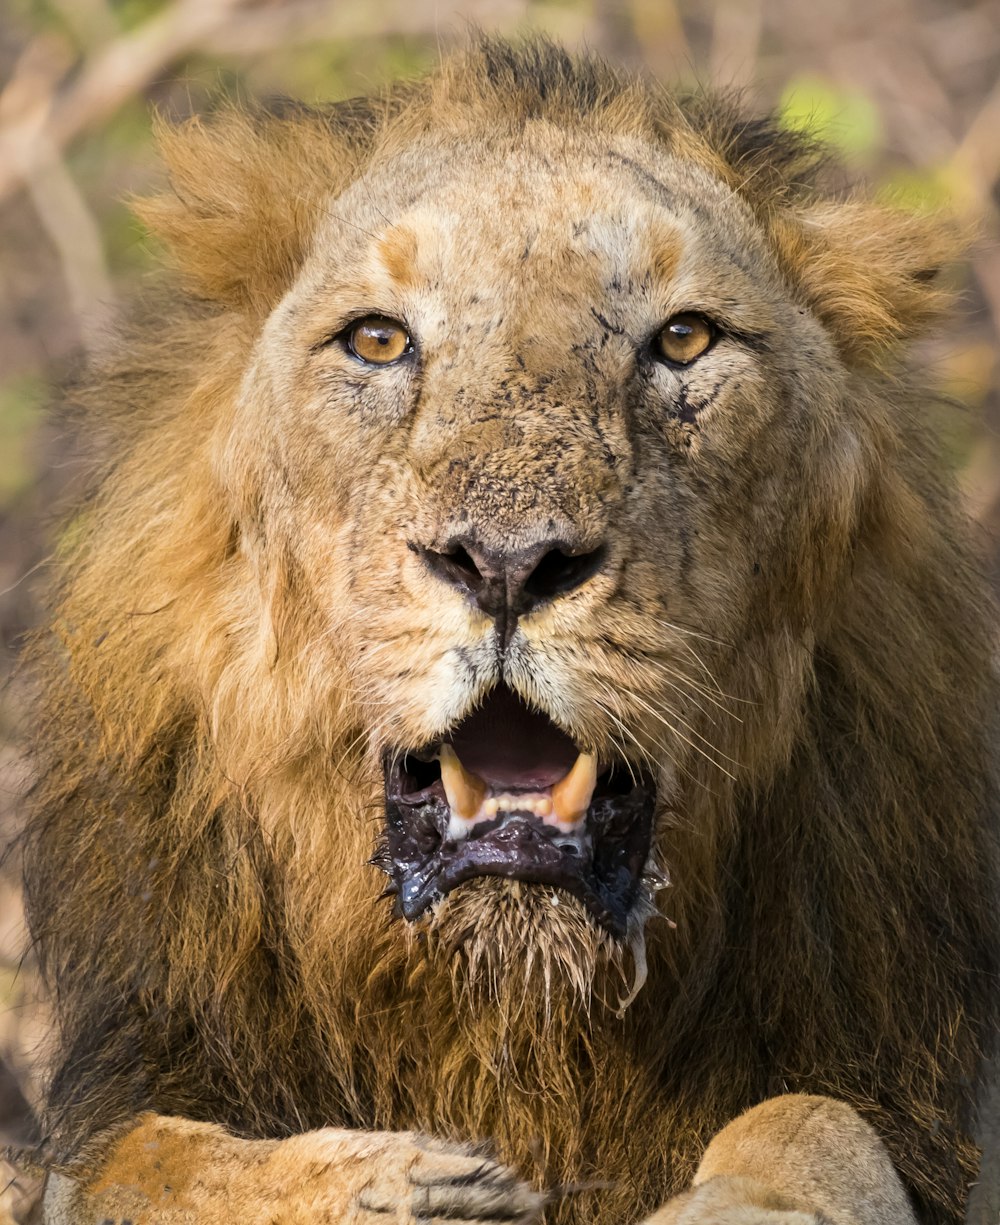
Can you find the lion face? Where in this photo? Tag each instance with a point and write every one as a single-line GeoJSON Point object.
{"type": "Point", "coordinates": [533, 424]}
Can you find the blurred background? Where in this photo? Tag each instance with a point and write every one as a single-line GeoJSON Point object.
{"type": "Point", "coordinates": [908, 90]}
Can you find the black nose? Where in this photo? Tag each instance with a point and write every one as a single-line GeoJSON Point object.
{"type": "Point", "coordinates": [508, 584]}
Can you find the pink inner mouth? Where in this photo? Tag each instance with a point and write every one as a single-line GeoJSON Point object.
{"type": "Point", "coordinates": [511, 747]}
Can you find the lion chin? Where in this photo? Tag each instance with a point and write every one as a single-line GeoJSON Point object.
{"type": "Point", "coordinates": [517, 950]}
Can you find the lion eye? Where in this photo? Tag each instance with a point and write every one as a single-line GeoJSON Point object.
{"type": "Point", "coordinates": [378, 341]}
{"type": "Point", "coordinates": [683, 338]}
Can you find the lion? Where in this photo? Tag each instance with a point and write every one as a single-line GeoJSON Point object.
{"type": "Point", "coordinates": [514, 725]}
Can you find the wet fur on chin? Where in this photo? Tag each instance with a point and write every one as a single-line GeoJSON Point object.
{"type": "Point", "coordinates": [528, 951]}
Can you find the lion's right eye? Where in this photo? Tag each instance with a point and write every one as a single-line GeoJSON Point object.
{"type": "Point", "coordinates": [684, 338]}
{"type": "Point", "coordinates": [378, 341]}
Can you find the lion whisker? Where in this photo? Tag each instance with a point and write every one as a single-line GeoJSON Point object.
{"type": "Point", "coordinates": [657, 743]}
{"type": "Point", "coordinates": [663, 748]}
{"type": "Point", "coordinates": [717, 698]}
{"type": "Point", "coordinates": [644, 754]}
{"type": "Point", "coordinates": [693, 685]}
{"type": "Point", "coordinates": [688, 688]}
{"type": "Point", "coordinates": [690, 633]}
{"type": "Point", "coordinates": [659, 715]}
{"type": "Point", "coordinates": [697, 748]}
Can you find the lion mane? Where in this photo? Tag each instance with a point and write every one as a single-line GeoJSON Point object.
{"type": "Point", "coordinates": [198, 851]}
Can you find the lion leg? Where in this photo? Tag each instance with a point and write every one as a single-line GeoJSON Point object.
{"type": "Point", "coordinates": [170, 1171]}
{"type": "Point", "coordinates": [793, 1160]}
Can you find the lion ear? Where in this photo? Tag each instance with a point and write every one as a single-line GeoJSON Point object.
{"type": "Point", "coordinates": [870, 272]}
{"type": "Point", "coordinates": [246, 192]}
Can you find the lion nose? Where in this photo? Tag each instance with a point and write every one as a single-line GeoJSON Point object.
{"type": "Point", "coordinates": [507, 584]}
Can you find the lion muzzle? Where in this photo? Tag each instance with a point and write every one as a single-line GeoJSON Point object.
{"type": "Point", "coordinates": [508, 793]}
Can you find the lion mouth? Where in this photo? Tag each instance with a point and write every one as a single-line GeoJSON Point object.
{"type": "Point", "coordinates": [508, 793]}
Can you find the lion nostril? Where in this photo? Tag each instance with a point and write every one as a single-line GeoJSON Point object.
{"type": "Point", "coordinates": [559, 572]}
{"type": "Point", "coordinates": [462, 565]}
{"type": "Point", "coordinates": [456, 566]}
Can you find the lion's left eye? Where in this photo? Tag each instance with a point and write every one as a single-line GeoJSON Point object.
{"type": "Point", "coordinates": [684, 338]}
{"type": "Point", "coordinates": [378, 341]}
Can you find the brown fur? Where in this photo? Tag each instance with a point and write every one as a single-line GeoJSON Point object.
{"type": "Point", "coordinates": [800, 645]}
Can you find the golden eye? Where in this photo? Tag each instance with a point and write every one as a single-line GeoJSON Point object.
{"type": "Point", "coordinates": [378, 341]}
{"type": "Point", "coordinates": [683, 338]}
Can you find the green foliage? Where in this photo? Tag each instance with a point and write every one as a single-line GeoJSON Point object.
{"type": "Point", "coordinates": [917, 190]}
{"type": "Point", "coordinates": [21, 404]}
{"type": "Point", "coordinates": [845, 118]}
{"type": "Point", "coordinates": [131, 13]}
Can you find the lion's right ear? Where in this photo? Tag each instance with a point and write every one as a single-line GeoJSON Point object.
{"type": "Point", "coordinates": [246, 191]}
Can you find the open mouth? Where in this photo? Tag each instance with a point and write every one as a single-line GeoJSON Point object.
{"type": "Point", "coordinates": [508, 793]}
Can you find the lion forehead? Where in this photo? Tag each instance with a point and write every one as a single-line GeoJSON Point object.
{"type": "Point", "coordinates": [572, 223]}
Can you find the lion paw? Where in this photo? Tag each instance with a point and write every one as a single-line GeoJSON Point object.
{"type": "Point", "coordinates": [429, 1180]}
{"type": "Point", "coordinates": [733, 1201]}
{"type": "Point", "coordinates": [170, 1171]}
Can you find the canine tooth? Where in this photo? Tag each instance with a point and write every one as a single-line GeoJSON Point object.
{"type": "Point", "coordinates": [571, 796]}
{"type": "Point", "coordinates": [459, 828]}
{"type": "Point", "coordinates": [465, 791]}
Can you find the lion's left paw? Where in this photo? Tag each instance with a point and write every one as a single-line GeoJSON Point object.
{"type": "Point", "coordinates": [733, 1201]}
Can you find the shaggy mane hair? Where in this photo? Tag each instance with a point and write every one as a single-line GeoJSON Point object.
{"type": "Point", "coordinates": [836, 913]}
